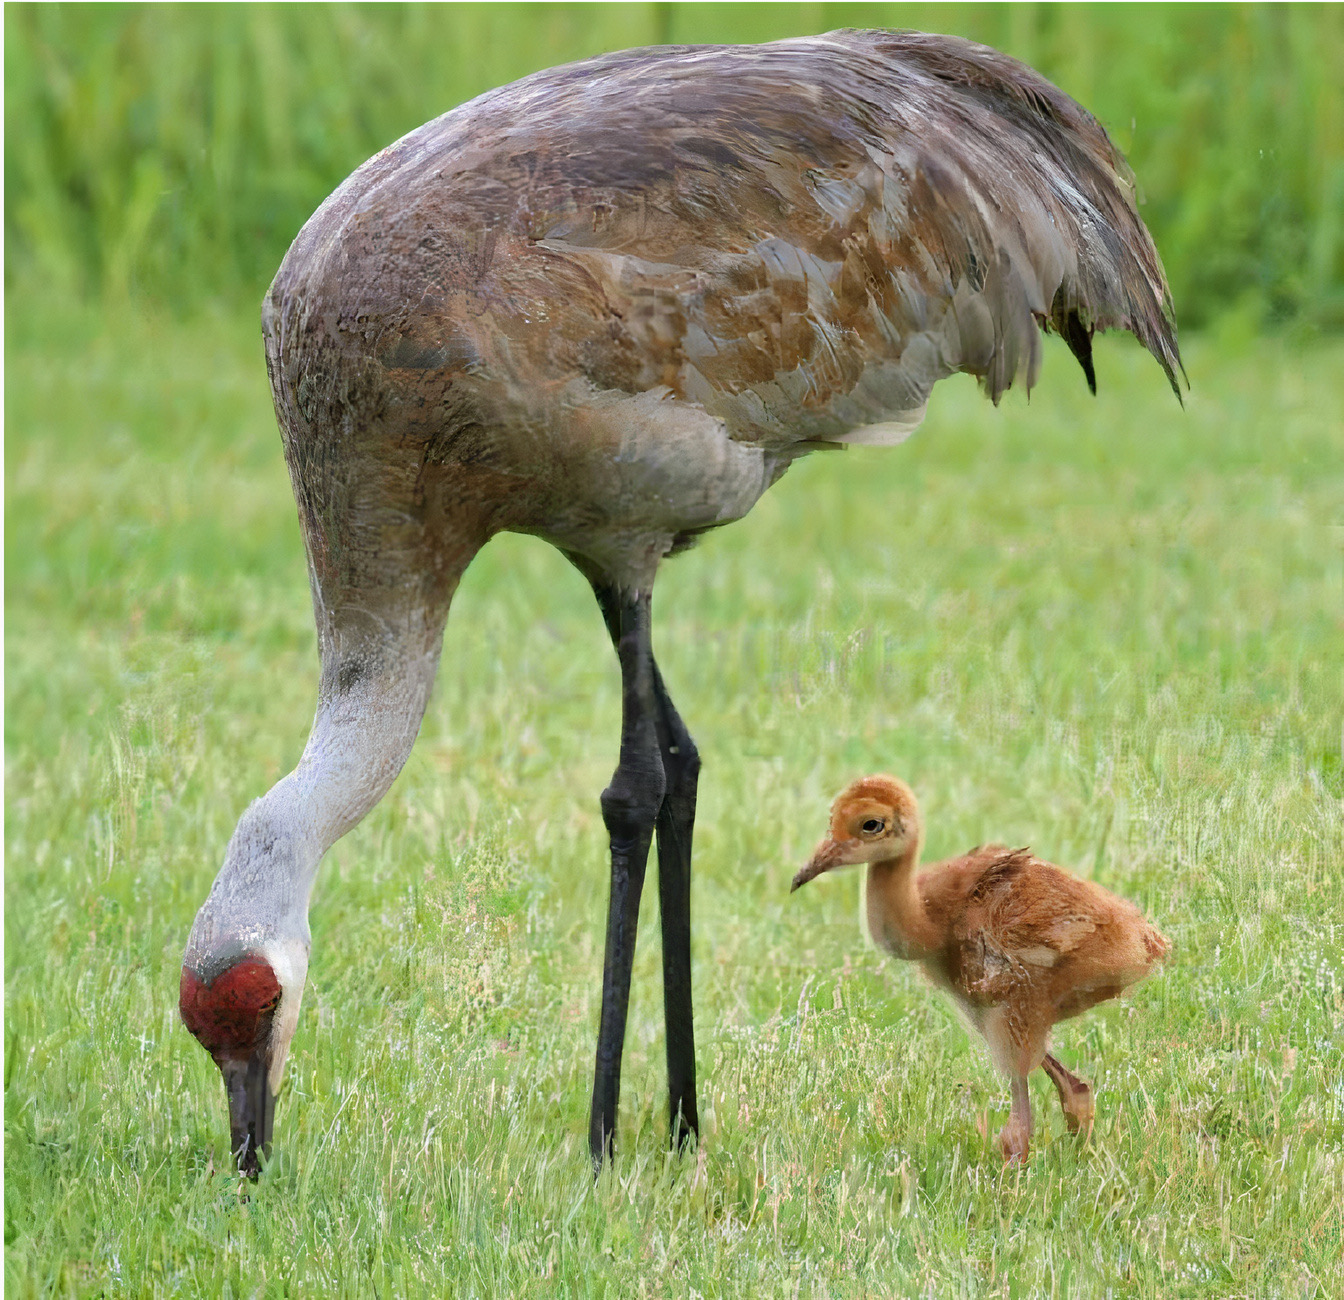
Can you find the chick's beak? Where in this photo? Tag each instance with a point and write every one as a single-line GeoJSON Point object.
{"type": "Point", "coordinates": [251, 1107]}
{"type": "Point", "coordinates": [826, 855]}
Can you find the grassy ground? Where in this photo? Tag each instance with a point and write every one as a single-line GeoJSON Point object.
{"type": "Point", "coordinates": [1108, 628]}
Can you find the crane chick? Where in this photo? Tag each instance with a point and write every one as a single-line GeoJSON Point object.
{"type": "Point", "coordinates": [1017, 942]}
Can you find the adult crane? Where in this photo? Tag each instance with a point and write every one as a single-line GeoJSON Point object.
{"type": "Point", "coordinates": [609, 305]}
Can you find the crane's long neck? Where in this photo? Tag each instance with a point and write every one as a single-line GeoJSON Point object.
{"type": "Point", "coordinates": [897, 918]}
{"type": "Point", "coordinates": [365, 725]}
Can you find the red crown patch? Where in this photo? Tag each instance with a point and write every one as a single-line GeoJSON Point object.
{"type": "Point", "coordinates": [232, 1014]}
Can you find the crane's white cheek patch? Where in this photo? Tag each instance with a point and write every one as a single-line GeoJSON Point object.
{"type": "Point", "coordinates": [289, 960]}
{"type": "Point", "coordinates": [282, 1031]}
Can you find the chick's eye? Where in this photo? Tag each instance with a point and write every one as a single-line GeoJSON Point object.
{"type": "Point", "coordinates": [873, 826]}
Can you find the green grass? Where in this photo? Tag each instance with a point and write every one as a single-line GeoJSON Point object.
{"type": "Point", "coordinates": [1110, 629]}
{"type": "Point", "coordinates": [177, 148]}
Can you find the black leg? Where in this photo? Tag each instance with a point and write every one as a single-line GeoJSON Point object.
{"type": "Point", "coordinates": [630, 807]}
{"type": "Point", "coordinates": [676, 822]}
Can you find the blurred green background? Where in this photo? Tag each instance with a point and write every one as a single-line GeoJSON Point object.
{"type": "Point", "coordinates": [175, 150]}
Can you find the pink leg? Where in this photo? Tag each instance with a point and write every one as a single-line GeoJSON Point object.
{"type": "Point", "coordinates": [1075, 1096]}
{"type": "Point", "coordinates": [1015, 1136]}
{"type": "Point", "coordinates": [1016, 1038]}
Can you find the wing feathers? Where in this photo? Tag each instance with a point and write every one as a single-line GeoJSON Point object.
{"type": "Point", "coordinates": [802, 237]}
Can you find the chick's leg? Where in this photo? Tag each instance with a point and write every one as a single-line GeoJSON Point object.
{"type": "Point", "coordinates": [1015, 1136]}
{"type": "Point", "coordinates": [1016, 1035]}
{"type": "Point", "coordinates": [1075, 1096]}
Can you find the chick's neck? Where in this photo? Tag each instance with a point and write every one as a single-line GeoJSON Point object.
{"type": "Point", "coordinates": [897, 918]}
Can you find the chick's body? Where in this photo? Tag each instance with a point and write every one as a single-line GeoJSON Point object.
{"type": "Point", "coordinates": [1018, 943]}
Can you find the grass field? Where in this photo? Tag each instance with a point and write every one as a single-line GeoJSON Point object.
{"type": "Point", "coordinates": [1110, 629]}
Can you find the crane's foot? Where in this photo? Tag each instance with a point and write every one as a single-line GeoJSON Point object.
{"type": "Point", "coordinates": [601, 1147]}
{"type": "Point", "coordinates": [1080, 1112]}
{"type": "Point", "coordinates": [684, 1130]}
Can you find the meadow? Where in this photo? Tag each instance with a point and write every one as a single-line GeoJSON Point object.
{"type": "Point", "coordinates": [1109, 628]}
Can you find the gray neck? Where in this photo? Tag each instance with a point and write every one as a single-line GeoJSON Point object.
{"type": "Point", "coordinates": [360, 739]}
{"type": "Point", "coordinates": [261, 892]}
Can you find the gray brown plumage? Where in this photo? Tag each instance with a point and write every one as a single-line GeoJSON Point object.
{"type": "Point", "coordinates": [1019, 944]}
{"type": "Point", "coordinates": [609, 305]}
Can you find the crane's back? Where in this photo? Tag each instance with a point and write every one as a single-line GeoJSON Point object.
{"type": "Point", "coordinates": [620, 296]}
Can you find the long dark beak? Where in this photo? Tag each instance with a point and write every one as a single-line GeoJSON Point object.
{"type": "Point", "coordinates": [251, 1108]}
{"type": "Point", "coordinates": [826, 856]}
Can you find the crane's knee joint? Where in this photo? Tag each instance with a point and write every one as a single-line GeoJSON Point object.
{"type": "Point", "coordinates": [630, 805]}
{"type": "Point", "coordinates": [349, 674]}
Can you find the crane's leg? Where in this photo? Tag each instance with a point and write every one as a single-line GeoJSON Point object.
{"type": "Point", "coordinates": [1075, 1096]}
{"type": "Point", "coordinates": [675, 823]}
{"type": "Point", "coordinates": [630, 808]}
{"type": "Point", "coordinates": [1016, 1034]}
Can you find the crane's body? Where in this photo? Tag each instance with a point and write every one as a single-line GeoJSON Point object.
{"type": "Point", "coordinates": [608, 305]}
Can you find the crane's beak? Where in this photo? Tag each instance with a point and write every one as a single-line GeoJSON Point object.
{"type": "Point", "coordinates": [251, 1107]}
{"type": "Point", "coordinates": [829, 853]}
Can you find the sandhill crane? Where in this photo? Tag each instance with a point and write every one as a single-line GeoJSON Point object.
{"type": "Point", "coordinates": [609, 305]}
{"type": "Point", "coordinates": [1019, 943]}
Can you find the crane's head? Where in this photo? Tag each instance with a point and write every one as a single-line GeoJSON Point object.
{"type": "Point", "coordinates": [241, 1001]}
{"type": "Point", "coordinates": [873, 819]}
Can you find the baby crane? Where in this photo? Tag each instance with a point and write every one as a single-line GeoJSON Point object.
{"type": "Point", "coordinates": [609, 305]}
{"type": "Point", "coordinates": [1020, 944]}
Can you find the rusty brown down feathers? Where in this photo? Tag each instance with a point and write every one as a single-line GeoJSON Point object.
{"type": "Point", "coordinates": [1016, 925]}
{"type": "Point", "coordinates": [1018, 943]}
